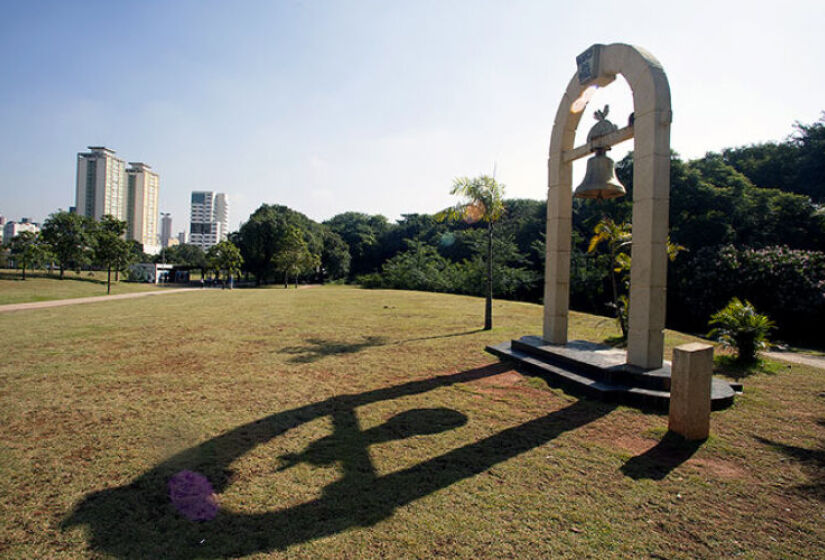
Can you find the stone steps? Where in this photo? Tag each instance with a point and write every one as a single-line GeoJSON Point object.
{"type": "Point", "coordinates": [600, 372]}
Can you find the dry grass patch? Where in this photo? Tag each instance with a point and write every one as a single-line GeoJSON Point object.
{"type": "Point", "coordinates": [343, 423]}
{"type": "Point", "coordinates": [42, 286]}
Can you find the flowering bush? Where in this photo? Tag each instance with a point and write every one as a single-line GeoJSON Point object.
{"type": "Point", "coordinates": [787, 284]}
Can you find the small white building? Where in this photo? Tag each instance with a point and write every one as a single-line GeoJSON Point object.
{"type": "Point", "coordinates": [150, 273]}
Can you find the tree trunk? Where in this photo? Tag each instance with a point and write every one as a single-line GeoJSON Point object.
{"type": "Point", "coordinates": [61, 272]}
{"type": "Point", "coordinates": [488, 304]}
{"type": "Point", "coordinates": [109, 279]}
{"type": "Point", "coordinates": [617, 305]}
{"type": "Point", "coordinates": [24, 271]}
{"type": "Point", "coordinates": [286, 279]}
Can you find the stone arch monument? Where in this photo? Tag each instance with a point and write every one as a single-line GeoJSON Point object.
{"type": "Point", "coordinates": [600, 64]}
{"type": "Point", "coordinates": [640, 376]}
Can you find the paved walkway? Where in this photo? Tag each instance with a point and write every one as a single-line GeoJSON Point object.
{"type": "Point", "coordinates": [74, 301]}
{"type": "Point", "coordinates": [796, 358]}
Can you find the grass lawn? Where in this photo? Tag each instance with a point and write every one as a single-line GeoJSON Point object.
{"type": "Point", "coordinates": [41, 286]}
{"type": "Point", "coordinates": [335, 422]}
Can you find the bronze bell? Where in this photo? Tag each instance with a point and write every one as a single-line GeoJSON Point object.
{"type": "Point", "coordinates": [600, 181]}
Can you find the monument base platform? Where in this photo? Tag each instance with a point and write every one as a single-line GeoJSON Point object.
{"type": "Point", "coordinates": [601, 372]}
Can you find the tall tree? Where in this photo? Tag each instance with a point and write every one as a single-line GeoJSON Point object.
{"type": "Point", "coordinates": [810, 140]}
{"type": "Point", "coordinates": [69, 237]}
{"type": "Point", "coordinates": [267, 233]}
{"type": "Point", "coordinates": [293, 256]}
{"type": "Point", "coordinates": [258, 239]}
{"type": "Point", "coordinates": [363, 235]}
{"type": "Point", "coordinates": [110, 248]}
{"type": "Point", "coordinates": [335, 258]}
{"type": "Point", "coordinates": [225, 257]}
{"type": "Point", "coordinates": [483, 201]}
{"type": "Point", "coordinates": [27, 249]}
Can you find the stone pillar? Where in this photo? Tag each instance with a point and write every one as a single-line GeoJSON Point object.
{"type": "Point", "coordinates": [557, 263]}
{"type": "Point", "coordinates": [559, 219]}
{"type": "Point", "coordinates": [690, 386]}
{"type": "Point", "coordinates": [648, 270]}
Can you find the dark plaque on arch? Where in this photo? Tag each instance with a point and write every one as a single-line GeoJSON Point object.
{"type": "Point", "coordinates": [588, 64]}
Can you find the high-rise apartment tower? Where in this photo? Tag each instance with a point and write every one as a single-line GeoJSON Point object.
{"type": "Point", "coordinates": [209, 222]}
{"type": "Point", "coordinates": [143, 185]}
{"type": "Point", "coordinates": [106, 186]}
{"type": "Point", "coordinates": [101, 184]}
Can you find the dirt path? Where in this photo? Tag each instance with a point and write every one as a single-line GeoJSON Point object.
{"type": "Point", "coordinates": [796, 358]}
{"type": "Point", "coordinates": [73, 301]}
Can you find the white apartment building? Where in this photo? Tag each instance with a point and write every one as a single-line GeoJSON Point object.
{"type": "Point", "coordinates": [106, 186]}
{"type": "Point", "coordinates": [143, 185]}
{"type": "Point", "coordinates": [209, 218]}
{"type": "Point", "coordinates": [101, 184]}
{"type": "Point", "coordinates": [10, 229]}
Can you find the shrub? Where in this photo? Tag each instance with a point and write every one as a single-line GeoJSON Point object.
{"type": "Point", "coordinates": [740, 326]}
{"type": "Point", "coordinates": [786, 284]}
{"type": "Point", "coordinates": [371, 281]}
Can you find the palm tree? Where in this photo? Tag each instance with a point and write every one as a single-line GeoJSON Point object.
{"type": "Point", "coordinates": [619, 237]}
{"type": "Point", "coordinates": [483, 202]}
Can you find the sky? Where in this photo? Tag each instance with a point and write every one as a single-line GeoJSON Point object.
{"type": "Point", "coordinates": [369, 106]}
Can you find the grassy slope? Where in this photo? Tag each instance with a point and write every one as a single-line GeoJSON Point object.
{"type": "Point", "coordinates": [101, 404]}
{"type": "Point", "coordinates": [43, 287]}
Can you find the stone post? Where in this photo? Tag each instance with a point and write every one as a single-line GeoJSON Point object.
{"type": "Point", "coordinates": [690, 384]}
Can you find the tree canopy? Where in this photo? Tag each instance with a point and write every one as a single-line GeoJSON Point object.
{"type": "Point", "coordinates": [28, 250]}
{"type": "Point", "coordinates": [70, 239]}
{"type": "Point", "coordinates": [110, 248]}
{"type": "Point", "coordinates": [278, 239]}
{"type": "Point", "coordinates": [224, 259]}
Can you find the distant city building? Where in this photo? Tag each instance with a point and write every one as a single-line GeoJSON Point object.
{"type": "Point", "coordinates": [143, 185]}
{"type": "Point", "coordinates": [165, 229]}
{"type": "Point", "coordinates": [182, 237]}
{"type": "Point", "coordinates": [209, 218]}
{"type": "Point", "coordinates": [106, 186]}
{"type": "Point", "coordinates": [222, 214]}
{"type": "Point", "coordinates": [10, 229]}
{"type": "Point", "coordinates": [101, 184]}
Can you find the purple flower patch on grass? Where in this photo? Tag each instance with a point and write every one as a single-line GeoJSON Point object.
{"type": "Point", "coordinates": [193, 496]}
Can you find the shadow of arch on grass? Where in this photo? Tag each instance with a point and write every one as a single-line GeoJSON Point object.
{"type": "Point", "coordinates": [138, 521]}
{"type": "Point", "coordinates": [318, 348]}
{"type": "Point", "coordinates": [812, 462]}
